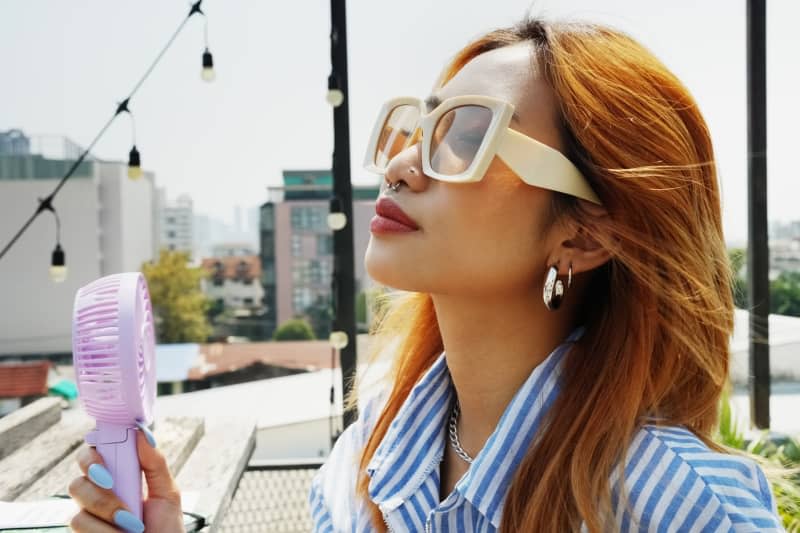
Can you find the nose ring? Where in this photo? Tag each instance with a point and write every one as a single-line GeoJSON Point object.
{"type": "Point", "coordinates": [394, 187]}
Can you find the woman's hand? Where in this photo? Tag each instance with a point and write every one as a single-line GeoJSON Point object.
{"type": "Point", "coordinates": [101, 510]}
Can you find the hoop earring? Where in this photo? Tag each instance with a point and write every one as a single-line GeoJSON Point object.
{"type": "Point", "coordinates": [553, 292]}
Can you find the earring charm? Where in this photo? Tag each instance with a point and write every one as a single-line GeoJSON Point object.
{"type": "Point", "coordinates": [553, 291]}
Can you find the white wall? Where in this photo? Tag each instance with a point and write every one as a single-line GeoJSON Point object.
{"type": "Point", "coordinates": [784, 348]}
{"type": "Point", "coordinates": [106, 227]}
{"type": "Point", "coordinates": [304, 440]}
{"type": "Point", "coordinates": [35, 313]}
{"type": "Point", "coordinates": [126, 221]}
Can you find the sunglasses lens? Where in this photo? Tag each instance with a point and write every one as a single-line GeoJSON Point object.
{"type": "Point", "coordinates": [396, 133]}
{"type": "Point", "coordinates": [458, 136]}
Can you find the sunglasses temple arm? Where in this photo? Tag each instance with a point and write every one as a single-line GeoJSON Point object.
{"type": "Point", "coordinates": [542, 166]}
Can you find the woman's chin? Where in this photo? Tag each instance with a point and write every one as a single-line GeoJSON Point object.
{"type": "Point", "coordinates": [389, 275]}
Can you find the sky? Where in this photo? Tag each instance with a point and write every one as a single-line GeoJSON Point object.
{"type": "Point", "coordinates": [66, 65]}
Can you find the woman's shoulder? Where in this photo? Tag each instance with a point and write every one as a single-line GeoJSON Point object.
{"type": "Point", "coordinates": [332, 496]}
{"type": "Point", "coordinates": [672, 478]}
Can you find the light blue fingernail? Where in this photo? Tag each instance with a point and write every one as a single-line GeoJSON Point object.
{"type": "Point", "coordinates": [151, 440]}
{"type": "Point", "coordinates": [128, 521]}
{"type": "Point", "coordinates": [100, 476]}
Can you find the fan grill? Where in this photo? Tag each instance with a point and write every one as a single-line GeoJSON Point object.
{"type": "Point", "coordinates": [114, 347]}
{"type": "Point", "coordinates": [95, 346]}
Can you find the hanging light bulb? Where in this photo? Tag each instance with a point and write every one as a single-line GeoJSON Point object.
{"type": "Point", "coordinates": [134, 164]}
{"type": "Point", "coordinates": [208, 67]}
{"type": "Point", "coordinates": [338, 339]}
{"type": "Point", "coordinates": [336, 219]}
{"type": "Point", "coordinates": [58, 265]}
{"type": "Point", "coordinates": [335, 96]}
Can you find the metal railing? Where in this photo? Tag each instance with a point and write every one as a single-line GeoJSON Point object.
{"type": "Point", "coordinates": [272, 496]}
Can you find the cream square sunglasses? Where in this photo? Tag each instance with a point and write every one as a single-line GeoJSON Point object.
{"type": "Point", "coordinates": [461, 136]}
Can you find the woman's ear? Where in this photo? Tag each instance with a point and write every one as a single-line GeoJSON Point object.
{"type": "Point", "coordinates": [582, 246]}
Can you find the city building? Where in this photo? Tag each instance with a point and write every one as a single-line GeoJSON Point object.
{"type": "Point", "coordinates": [175, 223]}
{"type": "Point", "coordinates": [232, 249]}
{"type": "Point", "coordinates": [234, 281]}
{"type": "Point", "coordinates": [784, 248]}
{"type": "Point", "coordinates": [297, 246]}
{"type": "Point", "coordinates": [14, 142]}
{"type": "Point", "coordinates": [234, 287]}
{"type": "Point", "coordinates": [106, 226]}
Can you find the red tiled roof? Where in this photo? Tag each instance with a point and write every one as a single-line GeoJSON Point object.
{"type": "Point", "coordinates": [305, 355]}
{"type": "Point", "coordinates": [23, 379]}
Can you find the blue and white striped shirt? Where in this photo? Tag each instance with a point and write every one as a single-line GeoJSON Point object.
{"type": "Point", "coordinates": [673, 480]}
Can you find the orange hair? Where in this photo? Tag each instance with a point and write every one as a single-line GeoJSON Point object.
{"type": "Point", "coordinates": [661, 310]}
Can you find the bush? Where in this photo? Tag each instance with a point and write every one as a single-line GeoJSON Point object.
{"type": "Point", "coordinates": [780, 458]}
{"type": "Point", "coordinates": [295, 329]}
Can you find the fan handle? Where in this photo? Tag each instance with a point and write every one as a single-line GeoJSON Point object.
{"type": "Point", "coordinates": [116, 444]}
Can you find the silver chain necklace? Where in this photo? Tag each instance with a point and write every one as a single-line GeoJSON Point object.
{"type": "Point", "coordinates": [454, 413]}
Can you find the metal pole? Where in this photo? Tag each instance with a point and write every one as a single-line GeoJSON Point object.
{"type": "Point", "coordinates": [758, 245]}
{"type": "Point", "coordinates": [344, 263]}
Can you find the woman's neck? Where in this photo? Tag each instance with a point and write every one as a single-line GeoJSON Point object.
{"type": "Point", "coordinates": [492, 346]}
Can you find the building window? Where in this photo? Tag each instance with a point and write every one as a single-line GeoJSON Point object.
{"type": "Point", "coordinates": [298, 217]}
{"type": "Point", "coordinates": [315, 272]}
{"type": "Point", "coordinates": [268, 274]}
{"type": "Point", "coordinates": [309, 218]}
{"type": "Point", "coordinates": [324, 244]}
{"type": "Point", "coordinates": [297, 245]}
{"type": "Point", "coordinates": [300, 272]}
{"type": "Point", "coordinates": [325, 271]}
{"type": "Point", "coordinates": [218, 277]}
{"type": "Point", "coordinates": [170, 234]}
{"type": "Point", "coordinates": [243, 273]}
{"type": "Point", "coordinates": [301, 299]}
{"type": "Point", "coordinates": [318, 218]}
{"type": "Point", "coordinates": [267, 245]}
{"type": "Point", "coordinates": [267, 218]}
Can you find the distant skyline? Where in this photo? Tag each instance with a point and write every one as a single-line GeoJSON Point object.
{"type": "Point", "coordinates": [68, 64]}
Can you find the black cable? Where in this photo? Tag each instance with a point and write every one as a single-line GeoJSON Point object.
{"type": "Point", "coordinates": [46, 204]}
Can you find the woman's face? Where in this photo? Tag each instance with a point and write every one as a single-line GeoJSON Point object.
{"type": "Point", "coordinates": [483, 237]}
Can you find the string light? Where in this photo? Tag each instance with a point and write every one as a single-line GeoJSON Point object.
{"type": "Point", "coordinates": [134, 164]}
{"type": "Point", "coordinates": [134, 158]}
{"type": "Point", "coordinates": [58, 263]}
{"type": "Point", "coordinates": [58, 266]}
{"type": "Point", "coordinates": [207, 74]}
{"type": "Point", "coordinates": [338, 339]}
{"type": "Point", "coordinates": [335, 96]}
{"type": "Point", "coordinates": [336, 219]}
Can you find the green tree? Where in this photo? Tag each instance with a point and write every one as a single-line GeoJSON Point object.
{"type": "Point", "coordinates": [784, 294]}
{"type": "Point", "coordinates": [738, 257]}
{"type": "Point", "coordinates": [784, 291]}
{"type": "Point", "coordinates": [295, 329]}
{"type": "Point", "coordinates": [319, 314]}
{"type": "Point", "coordinates": [179, 305]}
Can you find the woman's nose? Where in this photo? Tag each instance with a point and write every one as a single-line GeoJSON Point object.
{"type": "Point", "coordinates": [406, 167]}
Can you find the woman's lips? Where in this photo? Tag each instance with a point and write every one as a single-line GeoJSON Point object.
{"type": "Point", "coordinates": [391, 218]}
{"type": "Point", "coordinates": [380, 224]}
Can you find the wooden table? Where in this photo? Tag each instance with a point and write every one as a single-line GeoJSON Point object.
{"type": "Point", "coordinates": [39, 442]}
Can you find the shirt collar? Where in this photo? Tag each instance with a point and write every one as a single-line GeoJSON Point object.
{"type": "Point", "coordinates": [414, 443]}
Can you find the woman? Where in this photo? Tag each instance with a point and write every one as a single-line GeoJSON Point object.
{"type": "Point", "coordinates": [563, 341]}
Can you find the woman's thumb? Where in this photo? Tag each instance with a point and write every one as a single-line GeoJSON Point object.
{"type": "Point", "coordinates": [160, 483]}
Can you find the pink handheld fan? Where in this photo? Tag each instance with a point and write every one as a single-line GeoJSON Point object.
{"type": "Point", "coordinates": [113, 351]}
